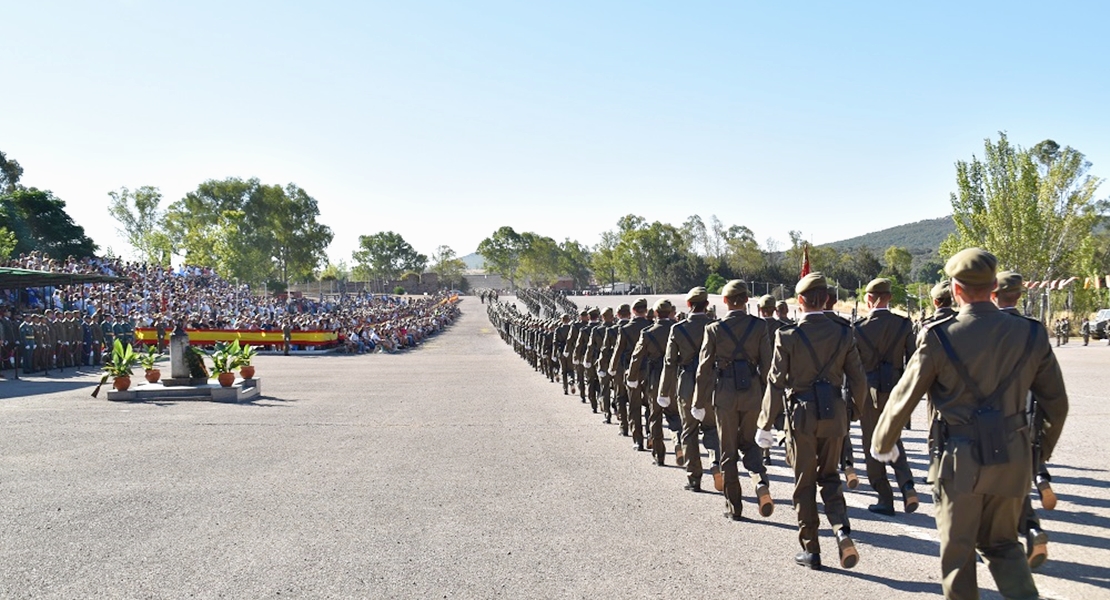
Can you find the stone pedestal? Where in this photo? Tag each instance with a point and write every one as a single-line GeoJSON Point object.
{"type": "Point", "coordinates": [179, 364]}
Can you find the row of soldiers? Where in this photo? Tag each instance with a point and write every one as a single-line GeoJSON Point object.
{"type": "Point", "coordinates": [546, 303]}
{"type": "Point", "coordinates": [727, 383]}
{"type": "Point", "coordinates": [57, 339]}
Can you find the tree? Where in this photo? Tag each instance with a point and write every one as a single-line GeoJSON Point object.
{"type": "Point", "coordinates": [40, 222]}
{"type": "Point", "coordinates": [899, 261]}
{"type": "Point", "coordinates": [604, 257]}
{"type": "Point", "coordinates": [502, 252]}
{"type": "Point", "coordinates": [385, 255]}
{"type": "Point", "coordinates": [336, 272]}
{"type": "Point", "coordinates": [1033, 209]}
{"type": "Point", "coordinates": [714, 283]}
{"type": "Point", "coordinates": [448, 266]}
{"type": "Point", "coordinates": [193, 223]}
{"type": "Point", "coordinates": [574, 260]}
{"type": "Point", "coordinates": [10, 173]}
{"type": "Point", "coordinates": [7, 243]}
{"type": "Point", "coordinates": [298, 243]}
{"type": "Point", "coordinates": [140, 220]}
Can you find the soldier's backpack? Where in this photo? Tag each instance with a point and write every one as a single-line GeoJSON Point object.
{"type": "Point", "coordinates": [742, 369]}
{"type": "Point", "coordinates": [824, 394]}
{"type": "Point", "coordinates": [883, 377]}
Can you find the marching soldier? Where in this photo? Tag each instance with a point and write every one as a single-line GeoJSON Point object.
{"type": "Point", "coordinates": [616, 377]}
{"type": "Point", "coordinates": [1011, 285]}
{"type": "Point", "coordinates": [982, 364]}
{"type": "Point", "coordinates": [579, 383]}
{"type": "Point", "coordinates": [679, 373]}
{"type": "Point", "coordinates": [599, 366]}
{"type": "Point", "coordinates": [1085, 330]}
{"type": "Point", "coordinates": [562, 351]}
{"type": "Point", "coordinates": [885, 342]}
{"type": "Point", "coordinates": [812, 361]}
{"type": "Point", "coordinates": [619, 367]}
{"type": "Point", "coordinates": [588, 385]}
{"type": "Point", "coordinates": [732, 370]}
{"type": "Point", "coordinates": [647, 368]}
{"type": "Point", "coordinates": [767, 308]}
{"type": "Point", "coordinates": [783, 312]}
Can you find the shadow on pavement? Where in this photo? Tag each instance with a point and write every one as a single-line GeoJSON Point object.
{"type": "Point", "coordinates": [918, 587]}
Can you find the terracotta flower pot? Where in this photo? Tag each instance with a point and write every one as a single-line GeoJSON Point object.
{"type": "Point", "coordinates": [153, 375]}
{"type": "Point", "coordinates": [247, 372]}
{"type": "Point", "coordinates": [226, 379]}
{"type": "Point", "coordinates": [121, 383]}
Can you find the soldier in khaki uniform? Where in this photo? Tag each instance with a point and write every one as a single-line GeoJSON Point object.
{"type": "Point", "coordinates": [733, 365]}
{"type": "Point", "coordinates": [618, 388]}
{"type": "Point", "coordinates": [767, 307]}
{"type": "Point", "coordinates": [606, 340]}
{"type": "Point", "coordinates": [562, 352]}
{"type": "Point", "coordinates": [622, 359]}
{"type": "Point", "coordinates": [885, 341]}
{"type": "Point", "coordinates": [587, 390]}
{"type": "Point", "coordinates": [645, 372]}
{"type": "Point", "coordinates": [597, 374]}
{"type": "Point", "coordinates": [1011, 285]}
{"type": "Point", "coordinates": [979, 367]}
{"type": "Point", "coordinates": [812, 361]}
{"type": "Point", "coordinates": [680, 367]}
{"type": "Point", "coordinates": [575, 339]}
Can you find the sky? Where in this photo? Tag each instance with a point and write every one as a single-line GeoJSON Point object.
{"type": "Point", "coordinates": [443, 121]}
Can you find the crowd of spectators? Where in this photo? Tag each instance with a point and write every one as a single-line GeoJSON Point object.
{"type": "Point", "coordinates": [152, 294]}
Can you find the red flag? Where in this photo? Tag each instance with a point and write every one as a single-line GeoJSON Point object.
{"type": "Point", "coordinates": [805, 261]}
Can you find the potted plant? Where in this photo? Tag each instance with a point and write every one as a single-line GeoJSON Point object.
{"type": "Point", "coordinates": [225, 359]}
{"type": "Point", "coordinates": [147, 361]}
{"type": "Point", "coordinates": [246, 356]}
{"type": "Point", "coordinates": [118, 365]}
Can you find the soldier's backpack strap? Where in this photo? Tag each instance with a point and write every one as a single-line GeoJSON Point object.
{"type": "Point", "coordinates": [739, 349]}
{"type": "Point", "coordinates": [813, 353]}
{"type": "Point", "coordinates": [654, 343]}
{"type": "Point", "coordinates": [690, 340]}
{"type": "Point", "coordinates": [969, 381]}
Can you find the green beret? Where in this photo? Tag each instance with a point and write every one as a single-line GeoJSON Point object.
{"type": "Point", "coordinates": [1009, 281]}
{"type": "Point", "coordinates": [595, 312]}
{"type": "Point", "coordinates": [640, 304]}
{"type": "Point", "coordinates": [879, 286]}
{"type": "Point", "coordinates": [813, 281]}
{"type": "Point", "coordinates": [973, 266]}
{"type": "Point", "coordinates": [942, 290]}
{"type": "Point", "coordinates": [767, 301]}
{"type": "Point", "coordinates": [663, 305]}
{"type": "Point", "coordinates": [735, 289]}
{"type": "Point", "coordinates": [696, 295]}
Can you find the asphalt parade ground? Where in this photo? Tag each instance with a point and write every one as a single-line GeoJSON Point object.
{"type": "Point", "coordinates": [453, 470]}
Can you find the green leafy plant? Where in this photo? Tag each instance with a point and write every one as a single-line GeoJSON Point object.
{"type": "Point", "coordinates": [120, 362]}
{"type": "Point", "coordinates": [148, 359]}
{"type": "Point", "coordinates": [246, 354]}
{"type": "Point", "coordinates": [194, 359]}
{"type": "Point", "coordinates": [226, 357]}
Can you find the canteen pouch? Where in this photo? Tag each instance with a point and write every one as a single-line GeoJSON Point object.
{"type": "Point", "coordinates": [741, 375]}
{"type": "Point", "coordinates": [886, 379]}
{"type": "Point", "coordinates": [825, 397]}
{"type": "Point", "coordinates": [991, 434]}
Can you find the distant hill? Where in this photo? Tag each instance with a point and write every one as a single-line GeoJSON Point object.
{"type": "Point", "coordinates": [922, 237]}
{"type": "Point", "coordinates": [474, 261]}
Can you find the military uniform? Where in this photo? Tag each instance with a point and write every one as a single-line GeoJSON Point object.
{"type": "Point", "coordinates": [979, 367]}
{"type": "Point", "coordinates": [767, 306]}
{"type": "Point", "coordinates": [562, 351]}
{"type": "Point", "coordinates": [812, 360]}
{"type": "Point", "coordinates": [598, 360]}
{"type": "Point", "coordinates": [733, 365]}
{"type": "Point", "coordinates": [622, 359]}
{"type": "Point", "coordinates": [586, 353]}
{"type": "Point", "coordinates": [680, 367]}
{"type": "Point", "coordinates": [29, 344]}
{"type": "Point", "coordinates": [646, 368]}
{"type": "Point", "coordinates": [577, 341]}
{"type": "Point", "coordinates": [884, 341]}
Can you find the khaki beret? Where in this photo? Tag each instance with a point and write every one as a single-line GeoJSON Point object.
{"type": "Point", "coordinates": [1009, 281]}
{"type": "Point", "coordinates": [942, 290]}
{"type": "Point", "coordinates": [664, 306]}
{"type": "Point", "coordinates": [608, 312]}
{"type": "Point", "coordinates": [813, 281]}
{"type": "Point", "coordinates": [767, 301]}
{"type": "Point", "coordinates": [697, 294]}
{"type": "Point", "coordinates": [640, 304]}
{"type": "Point", "coordinates": [973, 266]}
{"type": "Point", "coordinates": [880, 285]}
{"type": "Point", "coordinates": [595, 312]}
{"type": "Point", "coordinates": [781, 304]}
{"type": "Point", "coordinates": [735, 289]}
{"type": "Point", "coordinates": [624, 308]}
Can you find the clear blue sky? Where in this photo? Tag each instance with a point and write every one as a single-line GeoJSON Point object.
{"type": "Point", "coordinates": [445, 120]}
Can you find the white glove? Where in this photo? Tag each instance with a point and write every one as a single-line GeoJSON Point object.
{"type": "Point", "coordinates": [554, 360]}
{"type": "Point", "coordinates": [633, 384]}
{"type": "Point", "coordinates": [663, 401]}
{"type": "Point", "coordinates": [885, 457]}
{"type": "Point", "coordinates": [566, 355]}
{"type": "Point", "coordinates": [576, 363]}
{"type": "Point", "coordinates": [601, 373]}
{"type": "Point", "coordinates": [699, 413]}
{"type": "Point", "coordinates": [612, 373]}
{"type": "Point", "coordinates": [765, 439]}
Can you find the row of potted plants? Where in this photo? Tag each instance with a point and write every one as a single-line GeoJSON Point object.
{"type": "Point", "coordinates": [226, 358]}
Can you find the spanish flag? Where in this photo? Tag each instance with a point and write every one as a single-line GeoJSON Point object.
{"type": "Point", "coordinates": [805, 261]}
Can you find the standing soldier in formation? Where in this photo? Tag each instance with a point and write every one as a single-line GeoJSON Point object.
{"type": "Point", "coordinates": [97, 340]}
{"type": "Point", "coordinates": [645, 371]}
{"type": "Point", "coordinates": [160, 331]}
{"type": "Point", "coordinates": [87, 340]}
{"type": "Point", "coordinates": [28, 343]}
{"type": "Point", "coordinates": [885, 341]}
{"type": "Point", "coordinates": [562, 351]}
{"type": "Point", "coordinates": [732, 369]}
{"type": "Point", "coordinates": [1085, 330]}
{"type": "Point", "coordinates": [107, 326]}
{"type": "Point", "coordinates": [812, 361]}
{"type": "Point", "coordinates": [1011, 285]}
{"type": "Point", "coordinates": [622, 359]}
{"type": "Point", "coordinates": [679, 373]}
{"type": "Point", "coordinates": [981, 364]}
